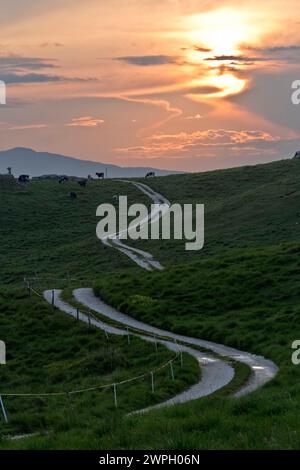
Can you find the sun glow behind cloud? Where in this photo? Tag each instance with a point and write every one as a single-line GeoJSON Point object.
{"type": "Point", "coordinates": [229, 84]}
{"type": "Point", "coordinates": [217, 34]}
{"type": "Point", "coordinates": [221, 31]}
{"type": "Point", "coordinates": [170, 71]}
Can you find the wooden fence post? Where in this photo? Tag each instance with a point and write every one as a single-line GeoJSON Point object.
{"type": "Point", "coordinates": [52, 301]}
{"type": "Point", "coordinates": [115, 396]}
{"type": "Point", "coordinates": [172, 370]}
{"type": "Point", "coordinates": [128, 335]}
{"type": "Point", "coordinates": [152, 382]}
{"type": "Point", "coordinates": [3, 410]}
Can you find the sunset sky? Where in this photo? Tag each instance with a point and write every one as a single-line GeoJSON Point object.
{"type": "Point", "coordinates": [177, 84]}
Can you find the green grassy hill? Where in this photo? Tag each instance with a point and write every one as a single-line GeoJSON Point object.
{"type": "Point", "coordinates": [244, 207]}
{"type": "Point", "coordinates": [42, 231]}
{"type": "Point", "coordinates": [242, 289]}
{"type": "Point", "coordinates": [52, 353]}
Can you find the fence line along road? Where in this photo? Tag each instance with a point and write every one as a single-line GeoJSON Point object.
{"type": "Point", "coordinates": [112, 385]}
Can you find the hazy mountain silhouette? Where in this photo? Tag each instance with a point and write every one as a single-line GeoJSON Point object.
{"type": "Point", "coordinates": [28, 161]}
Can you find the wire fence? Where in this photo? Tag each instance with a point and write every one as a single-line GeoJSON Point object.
{"type": "Point", "coordinates": [114, 385]}
{"type": "Point", "coordinates": [37, 281]}
{"type": "Point", "coordinates": [29, 281]}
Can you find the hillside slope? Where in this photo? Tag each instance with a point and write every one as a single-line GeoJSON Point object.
{"type": "Point", "coordinates": [241, 289]}
{"type": "Point", "coordinates": [244, 207]}
{"type": "Point", "coordinates": [50, 353]}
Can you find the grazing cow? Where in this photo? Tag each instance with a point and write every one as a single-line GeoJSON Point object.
{"type": "Point", "coordinates": [100, 175]}
{"type": "Point", "coordinates": [23, 179]}
{"type": "Point", "coordinates": [73, 196]}
{"type": "Point", "coordinates": [150, 174]}
{"type": "Point", "coordinates": [82, 183]}
{"type": "Point", "coordinates": [63, 179]}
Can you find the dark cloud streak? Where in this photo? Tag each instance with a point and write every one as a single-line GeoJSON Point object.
{"type": "Point", "coordinates": [275, 49]}
{"type": "Point", "coordinates": [236, 58]}
{"type": "Point", "coordinates": [13, 78]}
{"type": "Point", "coordinates": [12, 64]}
{"type": "Point", "coordinates": [148, 60]}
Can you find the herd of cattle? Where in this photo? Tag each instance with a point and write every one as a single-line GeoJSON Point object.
{"type": "Point", "coordinates": [61, 179]}
{"type": "Point", "coordinates": [24, 179]}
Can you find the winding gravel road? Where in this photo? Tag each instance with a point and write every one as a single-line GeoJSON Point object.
{"type": "Point", "coordinates": [262, 369]}
{"type": "Point", "coordinates": [215, 373]}
{"type": "Point", "coordinates": [142, 258]}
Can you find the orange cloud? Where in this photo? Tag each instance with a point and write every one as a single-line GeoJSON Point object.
{"type": "Point", "coordinates": [164, 144]}
{"type": "Point", "coordinates": [85, 121]}
{"type": "Point", "coordinates": [27, 126]}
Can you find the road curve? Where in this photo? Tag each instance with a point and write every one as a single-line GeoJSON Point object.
{"type": "Point", "coordinates": [142, 258]}
{"type": "Point", "coordinates": [262, 369]}
{"type": "Point", "coordinates": [215, 373]}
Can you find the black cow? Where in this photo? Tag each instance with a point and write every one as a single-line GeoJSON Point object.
{"type": "Point", "coordinates": [63, 179]}
{"type": "Point", "coordinates": [150, 174]}
{"type": "Point", "coordinates": [73, 196]}
{"type": "Point", "coordinates": [100, 175]}
{"type": "Point", "coordinates": [82, 183]}
{"type": "Point", "coordinates": [23, 179]}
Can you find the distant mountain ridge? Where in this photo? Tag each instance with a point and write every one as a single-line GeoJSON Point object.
{"type": "Point", "coordinates": [34, 163]}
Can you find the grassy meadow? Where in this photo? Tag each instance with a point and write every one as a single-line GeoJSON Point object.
{"type": "Point", "coordinates": [241, 289]}
{"type": "Point", "coordinates": [51, 353]}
